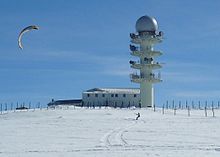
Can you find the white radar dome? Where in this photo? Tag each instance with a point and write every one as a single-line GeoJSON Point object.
{"type": "Point", "coordinates": [146, 24]}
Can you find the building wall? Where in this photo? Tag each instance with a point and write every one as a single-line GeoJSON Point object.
{"type": "Point", "coordinates": [110, 99]}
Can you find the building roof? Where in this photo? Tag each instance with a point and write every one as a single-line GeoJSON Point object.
{"type": "Point", "coordinates": [64, 102]}
{"type": "Point", "coordinates": [114, 90]}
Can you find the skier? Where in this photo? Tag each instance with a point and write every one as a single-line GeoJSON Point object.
{"type": "Point", "coordinates": [138, 115]}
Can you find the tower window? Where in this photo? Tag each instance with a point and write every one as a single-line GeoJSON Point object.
{"type": "Point", "coordinates": [103, 95]}
{"type": "Point", "coordinates": [116, 95]}
{"type": "Point", "coordinates": [88, 95]}
{"type": "Point", "coordinates": [135, 95]}
{"type": "Point", "coordinates": [124, 95]}
{"type": "Point", "coordinates": [96, 95]}
{"type": "Point", "coordinates": [112, 95]}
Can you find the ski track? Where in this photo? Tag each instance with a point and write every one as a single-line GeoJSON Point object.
{"type": "Point", "coordinates": [115, 137]}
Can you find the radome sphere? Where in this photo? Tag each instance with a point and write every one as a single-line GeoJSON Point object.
{"type": "Point", "coordinates": [146, 24]}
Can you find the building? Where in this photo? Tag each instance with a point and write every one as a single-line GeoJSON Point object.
{"type": "Point", "coordinates": [145, 39]}
{"type": "Point", "coordinates": [73, 102]}
{"type": "Point", "coordinates": [113, 97]}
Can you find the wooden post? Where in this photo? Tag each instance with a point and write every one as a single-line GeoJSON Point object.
{"type": "Point", "coordinates": [186, 104]}
{"type": "Point", "coordinates": [34, 106]}
{"type": "Point", "coordinates": [173, 104]}
{"type": "Point", "coordinates": [213, 111]}
{"type": "Point", "coordinates": [154, 108]}
{"type": "Point", "coordinates": [11, 106]}
{"type": "Point", "coordinates": [39, 105]}
{"type": "Point", "coordinates": [6, 107]}
{"type": "Point", "coordinates": [163, 109]}
{"type": "Point", "coordinates": [206, 108]}
{"type": "Point", "coordinates": [174, 110]}
{"type": "Point", "coordinates": [188, 110]}
{"type": "Point", "coordinates": [1, 108]}
{"type": "Point", "coordinates": [167, 104]}
{"type": "Point", "coordinates": [179, 104]}
{"type": "Point", "coordinates": [199, 105]}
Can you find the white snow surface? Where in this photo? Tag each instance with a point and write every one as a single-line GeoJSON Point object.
{"type": "Point", "coordinates": [109, 132]}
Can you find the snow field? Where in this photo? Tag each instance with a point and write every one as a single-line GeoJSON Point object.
{"type": "Point", "coordinates": [109, 132]}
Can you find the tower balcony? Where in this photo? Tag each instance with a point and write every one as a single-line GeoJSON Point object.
{"type": "Point", "coordinates": [150, 38]}
{"type": "Point", "coordinates": [139, 79]}
{"type": "Point", "coordinates": [152, 66]}
{"type": "Point", "coordinates": [149, 54]}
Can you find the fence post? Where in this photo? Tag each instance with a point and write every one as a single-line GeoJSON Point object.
{"type": "Point", "coordinates": [186, 104]}
{"type": "Point", "coordinates": [179, 104]}
{"type": "Point", "coordinates": [173, 104]}
{"type": "Point", "coordinates": [205, 111]}
{"type": "Point", "coordinates": [167, 104]}
{"type": "Point", "coordinates": [11, 106]}
{"type": "Point", "coordinates": [213, 112]}
{"type": "Point", "coordinates": [34, 106]}
{"type": "Point", "coordinates": [174, 110]}
{"type": "Point", "coordinates": [199, 105]}
{"type": "Point", "coordinates": [29, 105]}
{"type": "Point", "coordinates": [154, 108]}
{"type": "Point", "coordinates": [188, 110]}
{"type": "Point", "coordinates": [1, 108]}
{"type": "Point", "coordinates": [6, 106]}
{"type": "Point", "coordinates": [163, 109]}
{"type": "Point", "coordinates": [192, 104]}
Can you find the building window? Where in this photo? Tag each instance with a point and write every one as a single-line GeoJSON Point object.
{"type": "Point", "coordinates": [103, 95]}
{"type": "Point", "coordinates": [112, 95]}
{"type": "Point", "coordinates": [116, 95]}
{"type": "Point", "coordinates": [96, 95]}
{"type": "Point", "coordinates": [124, 95]}
{"type": "Point", "coordinates": [88, 95]}
{"type": "Point", "coordinates": [135, 95]}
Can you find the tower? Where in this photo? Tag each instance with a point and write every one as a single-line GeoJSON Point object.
{"type": "Point", "coordinates": [145, 39]}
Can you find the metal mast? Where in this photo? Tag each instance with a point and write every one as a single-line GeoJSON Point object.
{"type": "Point", "coordinates": [145, 39]}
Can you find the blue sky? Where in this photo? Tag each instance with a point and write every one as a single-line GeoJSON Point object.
{"type": "Point", "coordinates": [85, 44]}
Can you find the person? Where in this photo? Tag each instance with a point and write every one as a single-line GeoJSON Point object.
{"type": "Point", "coordinates": [138, 115]}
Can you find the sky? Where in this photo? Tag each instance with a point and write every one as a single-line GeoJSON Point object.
{"type": "Point", "coordinates": [85, 44]}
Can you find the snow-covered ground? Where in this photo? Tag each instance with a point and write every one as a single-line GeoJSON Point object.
{"type": "Point", "coordinates": [109, 133]}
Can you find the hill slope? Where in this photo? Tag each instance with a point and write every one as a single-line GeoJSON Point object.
{"type": "Point", "coordinates": [108, 133]}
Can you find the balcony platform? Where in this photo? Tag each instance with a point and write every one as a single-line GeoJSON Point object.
{"type": "Point", "coordinates": [149, 39]}
{"type": "Point", "coordinates": [137, 79]}
{"type": "Point", "coordinates": [149, 54]}
{"type": "Point", "coordinates": [150, 66]}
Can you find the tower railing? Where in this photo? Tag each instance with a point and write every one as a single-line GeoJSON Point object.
{"type": "Point", "coordinates": [151, 76]}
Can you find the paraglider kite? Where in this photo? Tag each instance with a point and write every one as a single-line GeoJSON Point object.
{"type": "Point", "coordinates": [27, 29]}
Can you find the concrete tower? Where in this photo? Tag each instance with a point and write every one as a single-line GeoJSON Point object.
{"type": "Point", "coordinates": [145, 39]}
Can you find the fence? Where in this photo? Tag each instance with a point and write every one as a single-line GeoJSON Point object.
{"type": "Point", "coordinates": [13, 107]}
{"type": "Point", "coordinates": [174, 106]}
